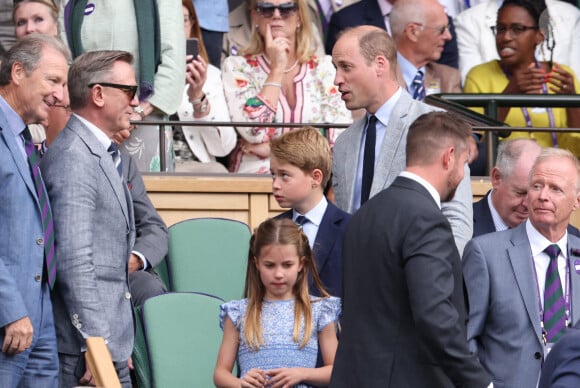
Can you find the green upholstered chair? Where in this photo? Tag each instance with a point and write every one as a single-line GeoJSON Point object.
{"type": "Point", "coordinates": [209, 255]}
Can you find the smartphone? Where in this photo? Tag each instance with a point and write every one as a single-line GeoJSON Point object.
{"type": "Point", "coordinates": [192, 47]}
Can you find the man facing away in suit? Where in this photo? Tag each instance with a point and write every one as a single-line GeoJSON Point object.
{"type": "Point", "coordinates": [94, 220]}
{"type": "Point", "coordinates": [420, 30]}
{"type": "Point", "coordinates": [366, 63]}
{"type": "Point", "coordinates": [505, 205]}
{"type": "Point", "coordinates": [404, 315]}
{"type": "Point", "coordinates": [523, 283]}
{"type": "Point", "coordinates": [562, 367]}
{"type": "Point", "coordinates": [33, 76]}
{"type": "Point", "coordinates": [300, 164]}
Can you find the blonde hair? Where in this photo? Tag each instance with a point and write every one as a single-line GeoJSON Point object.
{"type": "Point", "coordinates": [279, 232]}
{"type": "Point", "coordinates": [306, 149]}
{"type": "Point", "coordinates": [304, 34]}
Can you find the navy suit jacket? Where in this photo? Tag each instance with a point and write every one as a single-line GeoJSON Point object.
{"type": "Point", "coordinates": [483, 223]}
{"type": "Point", "coordinates": [562, 367]}
{"type": "Point", "coordinates": [368, 12]}
{"type": "Point", "coordinates": [328, 248]}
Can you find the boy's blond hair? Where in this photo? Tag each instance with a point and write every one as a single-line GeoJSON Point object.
{"type": "Point", "coordinates": [306, 149]}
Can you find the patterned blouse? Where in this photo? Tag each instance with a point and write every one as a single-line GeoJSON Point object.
{"type": "Point", "coordinates": [280, 350]}
{"type": "Point", "coordinates": [317, 101]}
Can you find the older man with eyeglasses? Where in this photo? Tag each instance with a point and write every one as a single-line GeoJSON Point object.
{"type": "Point", "coordinates": [94, 219]}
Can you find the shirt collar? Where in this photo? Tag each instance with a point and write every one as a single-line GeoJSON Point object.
{"type": "Point", "coordinates": [15, 123]}
{"type": "Point", "coordinates": [100, 135]}
{"type": "Point", "coordinates": [497, 220]}
{"type": "Point", "coordinates": [315, 214]}
{"type": "Point", "coordinates": [538, 242]}
{"type": "Point", "coordinates": [383, 114]}
{"type": "Point", "coordinates": [428, 186]}
{"type": "Point", "coordinates": [408, 70]}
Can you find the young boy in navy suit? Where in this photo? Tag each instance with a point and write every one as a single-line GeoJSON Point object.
{"type": "Point", "coordinates": [300, 163]}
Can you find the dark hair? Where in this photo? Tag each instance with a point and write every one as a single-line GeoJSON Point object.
{"type": "Point", "coordinates": [534, 7]}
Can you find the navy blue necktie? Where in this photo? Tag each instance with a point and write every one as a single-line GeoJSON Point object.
{"type": "Point", "coordinates": [368, 159]}
{"type": "Point", "coordinates": [300, 221]}
{"type": "Point", "coordinates": [419, 87]}
{"type": "Point", "coordinates": [116, 156]}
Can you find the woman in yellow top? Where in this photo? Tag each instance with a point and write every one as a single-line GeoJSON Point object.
{"type": "Point", "coordinates": [517, 72]}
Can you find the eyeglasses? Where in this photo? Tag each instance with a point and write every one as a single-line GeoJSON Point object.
{"type": "Point", "coordinates": [129, 90]}
{"type": "Point", "coordinates": [514, 29]}
{"type": "Point", "coordinates": [440, 30]}
{"type": "Point", "coordinates": [285, 10]}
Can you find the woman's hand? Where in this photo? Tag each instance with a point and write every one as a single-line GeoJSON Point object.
{"type": "Point", "coordinates": [529, 81]}
{"type": "Point", "coordinates": [255, 378]}
{"type": "Point", "coordinates": [560, 81]}
{"type": "Point", "coordinates": [261, 150]}
{"type": "Point", "coordinates": [277, 50]}
{"type": "Point", "coordinates": [285, 377]}
{"type": "Point", "coordinates": [195, 76]}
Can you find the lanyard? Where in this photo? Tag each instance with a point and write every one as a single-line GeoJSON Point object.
{"type": "Point", "coordinates": [566, 295]}
{"type": "Point", "coordinates": [527, 116]}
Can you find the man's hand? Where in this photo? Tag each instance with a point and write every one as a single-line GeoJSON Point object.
{"type": "Point", "coordinates": [135, 263]}
{"type": "Point", "coordinates": [17, 336]}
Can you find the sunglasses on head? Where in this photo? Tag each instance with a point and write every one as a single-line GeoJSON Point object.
{"type": "Point", "coordinates": [129, 90]}
{"type": "Point", "coordinates": [285, 9]}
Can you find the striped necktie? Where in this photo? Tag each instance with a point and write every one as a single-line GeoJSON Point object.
{"type": "Point", "coordinates": [113, 150]}
{"type": "Point", "coordinates": [45, 211]}
{"type": "Point", "coordinates": [300, 221]}
{"type": "Point", "coordinates": [419, 86]}
{"type": "Point", "coordinates": [554, 303]}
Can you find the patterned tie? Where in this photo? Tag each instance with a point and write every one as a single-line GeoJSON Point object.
{"type": "Point", "coordinates": [46, 213]}
{"type": "Point", "coordinates": [369, 159]}
{"type": "Point", "coordinates": [554, 303]}
{"type": "Point", "coordinates": [113, 150]}
{"type": "Point", "coordinates": [419, 87]}
{"type": "Point", "coordinates": [300, 221]}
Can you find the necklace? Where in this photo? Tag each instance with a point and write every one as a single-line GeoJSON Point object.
{"type": "Point", "coordinates": [288, 70]}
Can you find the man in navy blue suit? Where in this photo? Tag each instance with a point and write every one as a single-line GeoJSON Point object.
{"type": "Point", "coordinates": [376, 13]}
{"type": "Point", "coordinates": [562, 367]}
{"type": "Point", "coordinates": [300, 164]}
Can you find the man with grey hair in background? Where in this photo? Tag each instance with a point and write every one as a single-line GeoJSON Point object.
{"type": "Point", "coordinates": [33, 77]}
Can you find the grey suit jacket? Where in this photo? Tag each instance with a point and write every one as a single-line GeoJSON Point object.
{"type": "Point", "coordinates": [94, 228]}
{"type": "Point", "coordinates": [391, 162]}
{"type": "Point", "coordinates": [504, 318]}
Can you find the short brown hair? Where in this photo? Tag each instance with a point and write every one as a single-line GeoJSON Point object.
{"type": "Point", "coordinates": [433, 131]}
{"type": "Point", "coordinates": [306, 149]}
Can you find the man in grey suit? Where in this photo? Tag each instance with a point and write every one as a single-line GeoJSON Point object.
{"type": "Point", "coordinates": [32, 78]}
{"type": "Point", "coordinates": [94, 220]}
{"type": "Point", "coordinates": [366, 63]}
{"type": "Point", "coordinates": [524, 283]}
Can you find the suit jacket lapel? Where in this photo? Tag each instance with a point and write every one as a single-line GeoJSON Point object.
{"type": "Point", "coordinates": [325, 237]}
{"type": "Point", "coordinates": [574, 265]}
{"type": "Point", "coordinates": [520, 256]}
{"type": "Point", "coordinates": [21, 162]}
{"type": "Point", "coordinates": [350, 159]}
{"type": "Point", "coordinates": [395, 138]}
{"type": "Point", "coordinates": [105, 163]}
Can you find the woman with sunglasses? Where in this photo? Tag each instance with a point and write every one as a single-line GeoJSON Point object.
{"type": "Point", "coordinates": [518, 31]}
{"type": "Point", "coordinates": [196, 147]}
{"type": "Point", "coordinates": [278, 80]}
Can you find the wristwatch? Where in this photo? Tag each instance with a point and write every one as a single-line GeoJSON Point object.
{"type": "Point", "coordinates": [200, 105]}
{"type": "Point", "coordinates": [139, 110]}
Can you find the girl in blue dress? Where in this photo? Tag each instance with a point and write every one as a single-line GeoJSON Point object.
{"type": "Point", "coordinates": [278, 330]}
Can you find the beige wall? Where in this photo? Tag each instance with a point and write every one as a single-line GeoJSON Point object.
{"type": "Point", "coordinates": [247, 199]}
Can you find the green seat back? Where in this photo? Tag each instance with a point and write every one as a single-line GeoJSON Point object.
{"type": "Point", "coordinates": [183, 338]}
{"type": "Point", "coordinates": [140, 356]}
{"type": "Point", "coordinates": [209, 255]}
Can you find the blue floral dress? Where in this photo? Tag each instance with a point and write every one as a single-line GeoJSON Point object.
{"type": "Point", "coordinates": [280, 350]}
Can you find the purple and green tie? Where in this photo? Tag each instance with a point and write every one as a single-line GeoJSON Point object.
{"type": "Point", "coordinates": [46, 214]}
{"type": "Point", "coordinates": [554, 303]}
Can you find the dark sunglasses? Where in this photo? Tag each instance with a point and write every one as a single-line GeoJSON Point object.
{"type": "Point", "coordinates": [285, 10]}
{"type": "Point", "coordinates": [129, 90]}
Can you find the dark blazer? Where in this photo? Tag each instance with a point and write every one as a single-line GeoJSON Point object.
{"type": "Point", "coordinates": [404, 315]}
{"type": "Point", "coordinates": [368, 12]}
{"type": "Point", "coordinates": [562, 367]}
{"type": "Point", "coordinates": [483, 223]}
{"type": "Point", "coordinates": [328, 248]}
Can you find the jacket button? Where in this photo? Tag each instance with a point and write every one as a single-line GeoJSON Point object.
{"type": "Point", "coordinates": [39, 241]}
{"type": "Point", "coordinates": [127, 295]}
{"type": "Point", "coordinates": [537, 355]}
{"type": "Point", "coordinates": [38, 278]}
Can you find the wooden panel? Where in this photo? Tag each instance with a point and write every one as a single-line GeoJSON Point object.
{"type": "Point", "coordinates": [206, 201]}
